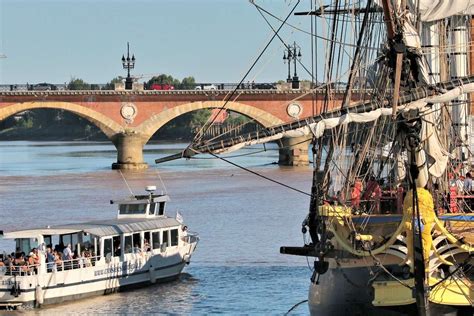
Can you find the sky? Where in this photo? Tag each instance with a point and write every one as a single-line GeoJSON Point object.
{"type": "Point", "coordinates": [214, 41]}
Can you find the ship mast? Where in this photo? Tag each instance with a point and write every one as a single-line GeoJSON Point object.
{"type": "Point", "coordinates": [395, 38]}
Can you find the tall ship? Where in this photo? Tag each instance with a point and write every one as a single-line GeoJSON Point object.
{"type": "Point", "coordinates": [54, 264]}
{"type": "Point", "coordinates": [390, 226]}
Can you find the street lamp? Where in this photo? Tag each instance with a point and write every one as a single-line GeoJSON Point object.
{"type": "Point", "coordinates": [128, 63]}
{"type": "Point", "coordinates": [292, 53]}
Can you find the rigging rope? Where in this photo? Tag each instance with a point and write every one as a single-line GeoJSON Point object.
{"type": "Point", "coordinates": [204, 129]}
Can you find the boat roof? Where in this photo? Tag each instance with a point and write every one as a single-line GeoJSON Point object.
{"type": "Point", "coordinates": [98, 228]}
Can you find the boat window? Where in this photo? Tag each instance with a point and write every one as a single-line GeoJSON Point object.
{"type": "Point", "coordinates": [117, 250]}
{"type": "Point", "coordinates": [137, 243]}
{"type": "Point", "coordinates": [174, 237]}
{"type": "Point", "coordinates": [151, 210]}
{"type": "Point", "coordinates": [48, 241]}
{"type": "Point", "coordinates": [166, 238]}
{"type": "Point", "coordinates": [66, 239]}
{"type": "Point", "coordinates": [146, 241]}
{"type": "Point", "coordinates": [132, 209]}
{"type": "Point", "coordinates": [108, 247]}
{"type": "Point", "coordinates": [26, 244]}
{"type": "Point", "coordinates": [156, 240]}
{"type": "Point", "coordinates": [161, 211]}
{"type": "Point", "coordinates": [128, 245]}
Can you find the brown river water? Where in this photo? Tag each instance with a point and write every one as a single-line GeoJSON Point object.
{"type": "Point", "coordinates": [242, 220]}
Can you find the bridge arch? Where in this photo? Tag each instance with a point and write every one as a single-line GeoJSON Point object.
{"type": "Point", "coordinates": [153, 124]}
{"type": "Point", "coordinates": [105, 124]}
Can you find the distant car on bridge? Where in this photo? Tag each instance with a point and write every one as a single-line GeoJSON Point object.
{"type": "Point", "coordinates": [43, 87]}
{"type": "Point", "coordinates": [206, 87]}
{"type": "Point", "coordinates": [160, 86]}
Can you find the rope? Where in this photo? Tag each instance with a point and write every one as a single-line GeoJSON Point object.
{"type": "Point", "coordinates": [261, 175]}
{"type": "Point", "coordinates": [161, 180]}
{"type": "Point", "coordinates": [295, 306]}
{"type": "Point", "coordinates": [204, 130]}
{"type": "Point", "coordinates": [126, 183]}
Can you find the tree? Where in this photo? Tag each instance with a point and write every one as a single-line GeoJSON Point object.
{"type": "Point", "coordinates": [163, 79]}
{"type": "Point", "coordinates": [199, 118]}
{"type": "Point", "coordinates": [78, 84]}
{"type": "Point", "coordinates": [111, 85]}
{"type": "Point", "coordinates": [187, 83]}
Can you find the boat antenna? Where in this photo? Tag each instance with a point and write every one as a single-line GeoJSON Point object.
{"type": "Point", "coordinates": [126, 183]}
{"type": "Point", "coordinates": [161, 180]}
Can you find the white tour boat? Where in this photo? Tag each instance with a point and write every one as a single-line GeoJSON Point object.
{"type": "Point", "coordinates": [67, 262]}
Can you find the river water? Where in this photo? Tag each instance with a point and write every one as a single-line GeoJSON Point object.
{"type": "Point", "coordinates": [242, 220]}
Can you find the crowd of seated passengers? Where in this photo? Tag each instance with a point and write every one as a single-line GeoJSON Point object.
{"type": "Point", "coordinates": [17, 263]}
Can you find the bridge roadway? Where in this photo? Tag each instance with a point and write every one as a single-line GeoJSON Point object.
{"type": "Point", "coordinates": [130, 118]}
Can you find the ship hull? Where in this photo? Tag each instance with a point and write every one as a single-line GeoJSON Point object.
{"type": "Point", "coordinates": [347, 292]}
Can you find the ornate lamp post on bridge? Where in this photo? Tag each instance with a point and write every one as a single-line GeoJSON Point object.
{"type": "Point", "coordinates": [292, 53]}
{"type": "Point", "coordinates": [128, 63]}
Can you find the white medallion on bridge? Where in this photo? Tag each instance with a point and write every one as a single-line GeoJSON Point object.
{"type": "Point", "coordinates": [128, 111]}
{"type": "Point", "coordinates": [294, 109]}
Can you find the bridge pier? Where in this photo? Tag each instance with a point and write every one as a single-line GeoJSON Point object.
{"type": "Point", "coordinates": [129, 146]}
{"type": "Point", "coordinates": [294, 151]}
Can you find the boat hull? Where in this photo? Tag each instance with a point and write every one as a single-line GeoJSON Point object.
{"type": "Point", "coordinates": [347, 292]}
{"type": "Point", "coordinates": [61, 286]}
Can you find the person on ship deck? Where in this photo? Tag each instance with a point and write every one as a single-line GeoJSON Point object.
{"type": "Point", "coordinates": [372, 196]}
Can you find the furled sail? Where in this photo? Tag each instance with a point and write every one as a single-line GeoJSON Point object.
{"type": "Point", "coordinates": [431, 144]}
{"type": "Point", "coordinates": [432, 10]}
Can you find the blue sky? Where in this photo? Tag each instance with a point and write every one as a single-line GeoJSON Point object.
{"type": "Point", "coordinates": [212, 40]}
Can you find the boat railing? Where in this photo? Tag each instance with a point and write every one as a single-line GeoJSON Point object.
{"type": "Point", "coordinates": [20, 270]}
{"type": "Point", "coordinates": [23, 270]}
{"type": "Point", "coordinates": [190, 238]}
{"type": "Point", "coordinates": [77, 263]}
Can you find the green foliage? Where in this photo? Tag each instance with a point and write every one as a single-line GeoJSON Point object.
{"type": "Point", "coordinates": [111, 85]}
{"type": "Point", "coordinates": [199, 118]}
{"type": "Point", "coordinates": [78, 84]}
{"type": "Point", "coordinates": [238, 119]}
{"type": "Point", "coordinates": [163, 79]}
{"type": "Point", "coordinates": [26, 122]}
{"type": "Point", "coordinates": [187, 83]}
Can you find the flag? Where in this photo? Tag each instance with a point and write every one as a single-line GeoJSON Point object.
{"type": "Point", "coordinates": [179, 217]}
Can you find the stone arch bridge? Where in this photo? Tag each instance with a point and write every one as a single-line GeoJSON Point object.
{"type": "Point", "coordinates": [130, 118]}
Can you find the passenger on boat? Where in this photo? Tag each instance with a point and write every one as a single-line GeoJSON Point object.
{"type": "Point", "coordinates": [67, 253]}
{"type": "Point", "coordinates": [50, 260]}
{"type": "Point", "coordinates": [137, 249]}
{"type": "Point", "coordinates": [57, 259]}
{"type": "Point", "coordinates": [146, 246]}
{"type": "Point", "coordinates": [117, 249]}
{"type": "Point", "coordinates": [86, 259]}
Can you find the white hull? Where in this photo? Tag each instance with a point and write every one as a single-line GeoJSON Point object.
{"type": "Point", "coordinates": [102, 278]}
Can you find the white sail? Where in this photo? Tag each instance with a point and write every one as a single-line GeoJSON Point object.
{"type": "Point", "coordinates": [432, 10]}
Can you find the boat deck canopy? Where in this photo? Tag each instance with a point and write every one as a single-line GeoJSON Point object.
{"type": "Point", "coordinates": [98, 228]}
{"type": "Point", "coordinates": [142, 199]}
